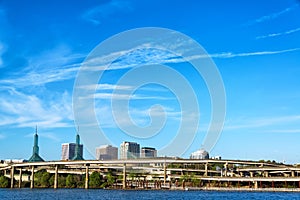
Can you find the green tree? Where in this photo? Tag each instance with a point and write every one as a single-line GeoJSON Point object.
{"type": "Point", "coordinates": [184, 177]}
{"type": "Point", "coordinates": [80, 180]}
{"type": "Point", "coordinates": [70, 181]}
{"type": "Point", "coordinates": [195, 180]}
{"type": "Point", "coordinates": [120, 177]}
{"type": "Point", "coordinates": [51, 180]}
{"type": "Point", "coordinates": [95, 180]}
{"type": "Point", "coordinates": [45, 179]}
{"type": "Point", "coordinates": [61, 181]}
{"type": "Point", "coordinates": [132, 175]}
{"type": "Point", "coordinates": [110, 179]}
{"type": "Point", "coordinates": [4, 182]}
{"type": "Point", "coordinates": [38, 178]}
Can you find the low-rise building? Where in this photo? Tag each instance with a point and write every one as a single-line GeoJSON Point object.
{"type": "Point", "coordinates": [148, 152]}
{"type": "Point", "coordinates": [106, 152]}
{"type": "Point", "coordinates": [200, 154]}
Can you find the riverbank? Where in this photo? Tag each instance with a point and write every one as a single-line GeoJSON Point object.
{"type": "Point", "coordinates": [238, 189]}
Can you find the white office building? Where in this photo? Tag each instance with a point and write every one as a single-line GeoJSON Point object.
{"type": "Point", "coordinates": [129, 150]}
{"type": "Point", "coordinates": [200, 154]}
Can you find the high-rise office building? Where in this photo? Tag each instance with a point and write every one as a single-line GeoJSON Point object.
{"type": "Point", "coordinates": [148, 152]}
{"type": "Point", "coordinates": [67, 151]}
{"type": "Point", "coordinates": [129, 150]}
{"type": "Point", "coordinates": [106, 152]}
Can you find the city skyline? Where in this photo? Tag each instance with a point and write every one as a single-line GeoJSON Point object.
{"type": "Point", "coordinates": [255, 45]}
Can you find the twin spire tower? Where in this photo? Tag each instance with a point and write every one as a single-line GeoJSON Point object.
{"type": "Point", "coordinates": [35, 151]}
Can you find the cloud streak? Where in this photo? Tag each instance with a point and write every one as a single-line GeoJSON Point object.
{"type": "Point", "coordinates": [23, 110]}
{"type": "Point", "coordinates": [116, 96]}
{"type": "Point", "coordinates": [139, 116]}
{"type": "Point", "coordinates": [145, 54]}
{"type": "Point", "coordinates": [18, 106]}
{"type": "Point", "coordinates": [97, 14]}
{"type": "Point", "coordinates": [283, 131]}
{"type": "Point", "coordinates": [56, 65]}
{"type": "Point", "coordinates": [2, 50]}
{"type": "Point", "coordinates": [257, 53]}
{"type": "Point", "coordinates": [67, 67]}
{"type": "Point", "coordinates": [271, 16]}
{"type": "Point", "coordinates": [47, 135]}
{"type": "Point", "coordinates": [278, 34]}
{"type": "Point", "coordinates": [260, 122]}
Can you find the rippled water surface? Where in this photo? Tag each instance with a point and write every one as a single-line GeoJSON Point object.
{"type": "Point", "coordinates": [128, 195]}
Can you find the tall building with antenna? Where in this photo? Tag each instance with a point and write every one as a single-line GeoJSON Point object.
{"type": "Point", "coordinates": [78, 149]}
{"type": "Point", "coordinates": [35, 152]}
{"type": "Point", "coordinates": [72, 151]}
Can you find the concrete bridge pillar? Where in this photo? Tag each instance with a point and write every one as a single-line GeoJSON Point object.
{"type": "Point", "coordinates": [206, 169]}
{"type": "Point", "coordinates": [293, 173]}
{"type": "Point", "coordinates": [56, 177]}
{"type": "Point", "coordinates": [124, 176]}
{"type": "Point", "coordinates": [32, 178]}
{"type": "Point", "coordinates": [251, 174]}
{"type": "Point", "coordinates": [86, 177]}
{"type": "Point", "coordinates": [20, 178]}
{"type": "Point", "coordinates": [266, 174]}
{"type": "Point", "coordinates": [12, 175]}
{"type": "Point", "coordinates": [225, 169]}
{"type": "Point", "coordinates": [255, 184]}
{"type": "Point", "coordinates": [165, 173]}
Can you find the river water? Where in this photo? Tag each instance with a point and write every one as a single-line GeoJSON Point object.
{"type": "Point", "coordinates": [75, 194]}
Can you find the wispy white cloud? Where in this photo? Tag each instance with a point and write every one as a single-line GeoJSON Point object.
{"type": "Point", "coordinates": [278, 34]}
{"type": "Point", "coordinates": [116, 96]}
{"type": "Point", "coordinates": [111, 87]}
{"type": "Point", "coordinates": [257, 53]}
{"type": "Point", "coordinates": [3, 33]}
{"type": "Point", "coordinates": [139, 116]}
{"type": "Point", "coordinates": [247, 123]}
{"type": "Point", "coordinates": [97, 14]}
{"type": "Point", "coordinates": [47, 135]}
{"type": "Point", "coordinates": [2, 50]}
{"type": "Point", "coordinates": [106, 86]}
{"type": "Point", "coordinates": [52, 66]}
{"type": "Point", "coordinates": [171, 112]}
{"type": "Point", "coordinates": [23, 104]}
{"type": "Point", "coordinates": [23, 110]}
{"type": "Point", "coordinates": [272, 15]}
{"type": "Point", "coordinates": [283, 131]}
{"type": "Point", "coordinates": [144, 54]}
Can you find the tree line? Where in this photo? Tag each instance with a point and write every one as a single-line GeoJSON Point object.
{"type": "Point", "coordinates": [43, 179]}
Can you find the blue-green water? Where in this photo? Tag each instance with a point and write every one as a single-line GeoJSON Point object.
{"type": "Point", "coordinates": [75, 194]}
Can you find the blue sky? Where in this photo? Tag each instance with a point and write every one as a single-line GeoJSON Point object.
{"type": "Point", "coordinates": [254, 44]}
